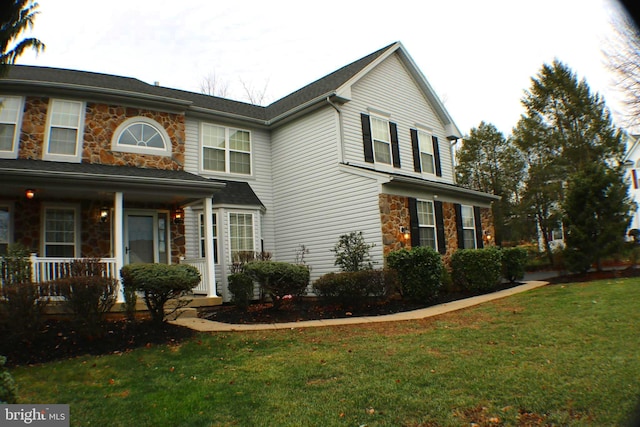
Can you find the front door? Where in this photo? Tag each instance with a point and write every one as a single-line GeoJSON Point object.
{"type": "Point", "coordinates": [145, 237]}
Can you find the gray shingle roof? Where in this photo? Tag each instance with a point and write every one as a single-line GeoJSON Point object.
{"type": "Point", "coordinates": [84, 80]}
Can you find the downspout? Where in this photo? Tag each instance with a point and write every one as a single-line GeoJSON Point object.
{"type": "Point", "coordinates": [340, 133]}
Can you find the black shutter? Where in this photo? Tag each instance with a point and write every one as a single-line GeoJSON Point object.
{"type": "Point", "coordinates": [459, 228]}
{"type": "Point", "coordinates": [442, 244]}
{"type": "Point", "coordinates": [395, 147]}
{"type": "Point", "coordinates": [436, 155]}
{"type": "Point", "coordinates": [413, 222]}
{"type": "Point", "coordinates": [415, 147]}
{"type": "Point", "coordinates": [366, 138]}
{"type": "Point", "coordinates": [478, 220]}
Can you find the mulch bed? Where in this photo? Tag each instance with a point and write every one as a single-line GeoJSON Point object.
{"type": "Point", "coordinates": [61, 339]}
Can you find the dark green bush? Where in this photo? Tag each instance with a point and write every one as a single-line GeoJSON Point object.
{"type": "Point", "coordinates": [420, 272]}
{"type": "Point", "coordinates": [278, 279]}
{"type": "Point", "coordinates": [514, 261]}
{"type": "Point", "coordinates": [353, 286]}
{"type": "Point", "coordinates": [8, 393]}
{"type": "Point", "coordinates": [477, 270]}
{"type": "Point", "coordinates": [241, 288]}
{"type": "Point", "coordinates": [15, 266]}
{"type": "Point", "coordinates": [21, 309]}
{"type": "Point", "coordinates": [161, 283]}
{"type": "Point", "coordinates": [575, 260]}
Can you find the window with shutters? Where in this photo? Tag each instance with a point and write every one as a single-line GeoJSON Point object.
{"type": "Point", "coordinates": [381, 140]}
{"type": "Point", "coordinates": [426, 224]}
{"type": "Point", "coordinates": [468, 227]}
{"type": "Point", "coordinates": [426, 152]}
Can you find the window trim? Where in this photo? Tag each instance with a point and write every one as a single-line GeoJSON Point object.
{"type": "Point", "coordinates": [229, 236]}
{"type": "Point", "coordinates": [137, 149]}
{"type": "Point", "coordinates": [388, 142]}
{"type": "Point", "coordinates": [13, 153]}
{"type": "Point", "coordinates": [227, 150]}
{"type": "Point", "coordinates": [421, 149]}
{"type": "Point", "coordinates": [76, 230]}
{"type": "Point", "coordinates": [77, 157]}
{"type": "Point", "coordinates": [433, 218]}
{"type": "Point", "coordinates": [10, 227]}
{"type": "Point", "coordinates": [216, 237]}
{"type": "Point", "coordinates": [473, 227]}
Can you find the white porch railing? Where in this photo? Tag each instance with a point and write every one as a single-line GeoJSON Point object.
{"type": "Point", "coordinates": [201, 265]}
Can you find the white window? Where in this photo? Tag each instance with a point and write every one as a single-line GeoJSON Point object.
{"type": "Point", "coordinates": [63, 135]}
{"type": "Point", "coordinates": [203, 244]}
{"type": "Point", "coordinates": [5, 228]}
{"type": "Point", "coordinates": [60, 232]}
{"type": "Point", "coordinates": [426, 152]}
{"type": "Point", "coordinates": [381, 140]}
{"type": "Point", "coordinates": [141, 135]}
{"type": "Point", "coordinates": [10, 118]}
{"type": "Point", "coordinates": [241, 233]}
{"type": "Point", "coordinates": [225, 150]}
{"type": "Point", "coordinates": [468, 227]}
{"type": "Point", "coordinates": [426, 223]}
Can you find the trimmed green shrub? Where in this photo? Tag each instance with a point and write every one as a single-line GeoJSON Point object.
{"type": "Point", "coordinates": [514, 261]}
{"type": "Point", "coordinates": [278, 279]}
{"type": "Point", "coordinates": [352, 286]}
{"type": "Point", "coordinates": [477, 270]}
{"type": "Point", "coordinates": [8, 393]}
{"type": "Point", "coordinates": [161, 283]}
{"type": "Point", "coordinates": [241, 288]}
{"type": "Point", "coordinates": [420, 272]}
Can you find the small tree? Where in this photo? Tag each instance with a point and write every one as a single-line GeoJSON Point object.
{"type": "Point", "coordinates": [352, 252]}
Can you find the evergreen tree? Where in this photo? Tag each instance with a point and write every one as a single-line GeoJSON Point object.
{"type": "Point", "coordinates": [565, 130]}
{"type": "Point", "coordinates": [488, 162]}
{"type": "Point", "coordinates": [15, 17]}
{"type": "Point", "coordinates": [597, 213]}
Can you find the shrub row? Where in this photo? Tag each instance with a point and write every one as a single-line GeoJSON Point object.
{"type": "Point", "coordinates": [351, 286]}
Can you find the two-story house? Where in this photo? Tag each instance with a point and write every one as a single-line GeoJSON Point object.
{"type": "Point", "coordinates": [94, 165]}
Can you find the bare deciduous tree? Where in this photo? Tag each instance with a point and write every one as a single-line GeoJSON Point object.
{"type": "Point", "coordinates": [213, 85]}
{"type": "Point", "coordinates": [253, 95]}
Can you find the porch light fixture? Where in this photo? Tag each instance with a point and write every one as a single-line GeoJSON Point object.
{"type": "Point", "coordinates": [487, 237]}
{"type": "Point", "coordinates": [30, 194]}
{"type": "Point", "coordinates": [104, 214]}
{"type": "Point", "coordinates": [178, 216]}
{"type": "Point", "coordinates": [405, 232]}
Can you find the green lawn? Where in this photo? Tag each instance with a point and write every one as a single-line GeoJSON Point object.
{"type": "Point", "coordinates": [559, 355]}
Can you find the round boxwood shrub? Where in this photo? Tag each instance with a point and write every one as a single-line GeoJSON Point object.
{"type": "Point", "coordinates": [477, 270]}
{"type": "Point", "coordinates": [279, 279]}
{"type": "Point", "coordinates": [420, 272]}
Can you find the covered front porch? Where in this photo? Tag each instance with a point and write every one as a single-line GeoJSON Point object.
{"type": "Point", "coordinates": [63, 212]}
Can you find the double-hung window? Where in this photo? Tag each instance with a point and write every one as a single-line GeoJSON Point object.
{"type": "Point", "coordinates": [203, 242]}
{"type": "Point", "coordinates": [60, 232]}
{"type": "Point", "coordinates": [468, 227]}
{"type": "Point", "coordinates": [10, 113]}
{"type": "Point", "coordinates": [426, 152]}
{"type": "Point", "coordinates": [426, 224]}
{"type": "Point", "coordinates": [63, 134]}
{"type": "Point", "coordinates": [225, 149]}
{"type": "Point", "coordinates": [381, 140]}
{"type": "Point", "coordinates": [5, 228]}
{"type": "Point", "coordinates": [241, 233]}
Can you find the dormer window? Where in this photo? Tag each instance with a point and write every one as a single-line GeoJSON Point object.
{"type": "Point", "coordinates": [141, 135]}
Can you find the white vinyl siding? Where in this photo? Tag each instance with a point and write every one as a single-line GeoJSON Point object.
{"type": "Point", "coordinates": [10, 119]}
{"type": "Point", "coordinates": [390, 88]}
{"type": "Point", "coordinates": [63, 136]}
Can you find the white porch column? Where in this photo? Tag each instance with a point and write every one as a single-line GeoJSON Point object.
{"type": "Point", "coordinates": [208, 232]}
{"type": "Point", "coordinates": [118, 238]}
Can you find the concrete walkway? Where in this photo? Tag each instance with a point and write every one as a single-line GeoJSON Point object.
{"type": "Point", "coordinates": [203, 325]}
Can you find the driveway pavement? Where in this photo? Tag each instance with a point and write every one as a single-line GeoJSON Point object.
{"type": "Point", "coordinates": [203, 325]}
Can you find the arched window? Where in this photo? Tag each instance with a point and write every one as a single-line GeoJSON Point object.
{"type": "Point", "coordinates": [141, 135]}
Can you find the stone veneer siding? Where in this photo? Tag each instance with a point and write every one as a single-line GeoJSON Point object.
{"type": "Point", "coordinates": [394, 213]}
{"type": "Point", "coordinates": [100, 122]}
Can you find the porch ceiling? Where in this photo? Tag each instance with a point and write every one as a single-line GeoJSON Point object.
{"type": "Point", "coordinates": [94, 181]}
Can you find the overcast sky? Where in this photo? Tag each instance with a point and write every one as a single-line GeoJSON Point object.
{"type": "Point", "coordinates": [479, 56]}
